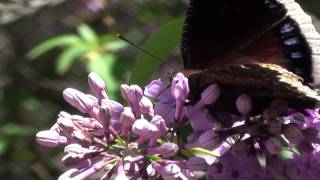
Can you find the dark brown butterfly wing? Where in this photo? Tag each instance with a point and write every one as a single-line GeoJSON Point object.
{"type": "Point", "coordinates": [258, 79]}
{"type": "Point", "coordinates": [263, 82]}
{"type": "Point", "coordinates": [300, 42]}
{"type": "Point", "coordinates": [233, 43]}
{"type": "Point", "coordinates": [247, 31]}
{"type": "Point", "coordinates": [213, 29]}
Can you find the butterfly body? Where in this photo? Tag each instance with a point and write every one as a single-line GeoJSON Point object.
{"type": "Point", "coordinates": [265, 48]}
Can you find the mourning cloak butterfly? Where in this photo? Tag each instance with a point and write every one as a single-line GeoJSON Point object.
{"type": "Point", "coordinates": [266, 48]}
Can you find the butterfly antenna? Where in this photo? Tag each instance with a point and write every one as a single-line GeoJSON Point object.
{"type": "Point", "coordinates": [153, 56]}
{"type": "Point", "coordinates": [144, 51]}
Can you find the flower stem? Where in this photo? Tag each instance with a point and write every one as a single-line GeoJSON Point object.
{"type": "Point", "coordinates": [186, 153]}
{"type": "Point", "coordinates": [204, 151]}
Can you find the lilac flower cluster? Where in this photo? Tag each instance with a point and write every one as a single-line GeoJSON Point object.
{"type": "Point", "coordinates": [146, 137]}
{"type": "Point", "coordinates": [96, 5]}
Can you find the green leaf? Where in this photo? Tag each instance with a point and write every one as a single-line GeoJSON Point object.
{"type": "Point", "coordinates": [22, 155]}
{"type": "Point", "coordinates": [161, 44]}
{"type": "Point", "coordinates": [67, 57]}
{"type": "Point", "coordinates": [87, 34]}
{"type": "Point", "coordinates": [31, 103]}
{"type": "Point", "coordinates": [4, 143]}
{"type": "Point", "coordinates": [285, 154]}
{"type": "Point", "coordinates": [103, 65]}
{"type": "Point", "coordinates": [63, 40]}
{"type": "Point", "coordinates": [13, 129]}
{"type": "Point", "coordinates": [185, 131]}
{"type": "Point", "coordinates": [112, 42]}
{"type": "Point", "coordinates": [104, 39]}
{"type": "Point", "coordinates": [115, 45]}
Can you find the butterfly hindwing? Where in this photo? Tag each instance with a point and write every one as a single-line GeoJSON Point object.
{"type": "Point", "coordinates": [300, 42]}
{"type": "Point", "coordinates": [260, 80]}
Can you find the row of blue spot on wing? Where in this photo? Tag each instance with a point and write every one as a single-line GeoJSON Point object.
{"type": "Point", "coordinates": [295, 48]}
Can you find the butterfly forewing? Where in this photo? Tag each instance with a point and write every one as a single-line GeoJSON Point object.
{"type": "Point", "coordinates": [214, 29]}
{"type": "Point", "coordinates": [259, 47]}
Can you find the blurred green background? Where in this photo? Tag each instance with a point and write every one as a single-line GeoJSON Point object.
{"type": "Point", "coordinates": [47, 46]}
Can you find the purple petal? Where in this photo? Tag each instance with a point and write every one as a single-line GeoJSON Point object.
{"type": "Point", "coordinates": [197, 164]}
{"type": "Point", "coordinates": [50, 138]}
{"type": "Point", "coordinates": [244, 104]}
{"type": "Point", "coordinates": [154, 88]}
{"type": "Point", "coordinates": [97, 85]}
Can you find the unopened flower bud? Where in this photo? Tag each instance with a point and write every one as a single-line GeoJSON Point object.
{"type": "Point", "coordinates": [160, 123]}
{"type": "Point", "coordinates": [121, 175]}
{"type": "Point", "coordinates": [132, 167]}
{"type": "Point", "coordinates": [151, 171]}
{"type": "Point", "coordinates": [170, 171]}
{"type": "Point", "coordinates": [66, 124]}
{"type": "Point", "coordinates": [298, 118]}
{"type": "Point", "coordinates": [209, 140]}
{"type": "Point", "coordinates": [254, 130]}
{"type": "Point", "coordinates": [193, 139]}
{"type": "Point", "coordinates": [134, 164]}
{"type": "Point", "coordinates": [180, 91]}
{"type": "Point", "coordinates": [78, 100]}
{"type": "Point", "coordinates": [292, 171]}
{"type": "Point", "coordinates": [313, 113]}
{"type": "Point", "coordinates": [166, 150]}
{"type": "Point", "coordinates": [69, 174]}
{"type": "Point", "coordinates": [292, 133]}
{"type": "Point", "coordinates": [274, 127]}
{"type": "Point", "coordinates": [84, 103]}
{"type": "Point", "coordinates": [146, 106]}
{"type": "Point", "coordinates": [75, 161]}
{"type": "Point", "coordinates": [144, 129]}
{"type": "Point", "coordinates": [273, 145]}
{"type": "Point", "coordinates": [311, 134]}
{"type": "Point", "coordinates": [133, 159]}
{"type": "Point", "coordinates": [197, 164]}
{"type": "Point", "coordinates": [210, 94]}
{"type": "Point", "coordinates": [86, 172]}
{"type": "Point", "coordinates": [213, 170]}
{"type": "Point", "coordinates": [80, 136]}
{"type": "Point", "coordinates": [154, 89]}
{"type": "Point", "coordinates": [269, 114]}
{"type": "Point", "coordinates": [305, 146]}
{"type": "Point", "coordinates": [188, 174]}
{"type": "Point", "coordinates": [97, 85]}
{"type": "Point", "coordinates": [127, 119]}
{"type": "Point", "coordinates": [69, 95]}
{"type": "Point", "coordinates": [55, 127]}
{"type": "Point", "coordinates": [105, 116]}
{"type": "Point", "coordinates": [180, 87]}
{"type": "Point", "coordinates": [94, 99]}
{"type": "Point", "coordinates": [91, 123]}
{"type": "Point", "coordinates": [115, 108]}
{"type": "Point", "coordinates": [77, 149]}
{"type": "Point", "coordinates": [193, 136]}
{"type": "Point", "coordinates": [133, 94]}
{"type": "Point", "coordinates": [50, 138]}
{"type": "Point", "coordinates": [64, 114]}
{"type": "Point", "coordinates": [276, 166]}
{"type": "Point", "coordinates": [244, 104]}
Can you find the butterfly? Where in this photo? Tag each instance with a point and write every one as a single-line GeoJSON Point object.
{"type": "Point", "coordinates": [265, 48]}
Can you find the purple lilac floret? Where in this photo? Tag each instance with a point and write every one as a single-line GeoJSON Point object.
{"type": "Point", "coordinates": [157, 133]}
